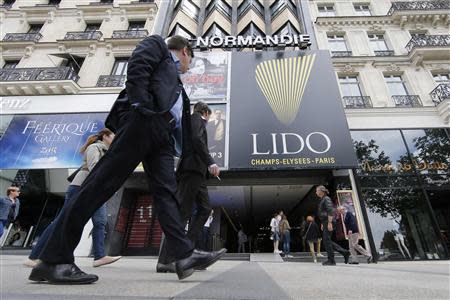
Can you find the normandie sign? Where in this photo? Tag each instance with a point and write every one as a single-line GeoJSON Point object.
{"type": "Point", "coordinates": [301, 40]}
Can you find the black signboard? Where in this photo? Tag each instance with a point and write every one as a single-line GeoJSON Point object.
{"type": "Point", "coordinates": [286, 112]}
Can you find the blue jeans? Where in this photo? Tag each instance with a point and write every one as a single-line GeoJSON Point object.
{"type": "Point", "coordinates": [98, 232]}
{"type": "Point", "coordinates": [286, 242]}
{"type": "Point", "coordinates": [3, 224]}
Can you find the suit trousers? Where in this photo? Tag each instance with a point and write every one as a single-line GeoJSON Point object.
{"type": "Point", "coordinates": [330, 246]}
{"type": "Point", "coordinates": [191, 190]}
{"type": "Point", "coordinates": [145, 138]}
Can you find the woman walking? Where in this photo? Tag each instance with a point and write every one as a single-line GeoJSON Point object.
{"type": "Point", "coordinates": [285, 230]}
{"type": "Point", "coordinates": [93, 150]}
{"type": "Point", "coordinates": [312, 236]}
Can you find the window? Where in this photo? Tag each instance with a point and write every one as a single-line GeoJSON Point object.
{"type": "Point", "coordinates": [251, 30]}
{"type": "Point", "coordinates": [441, 78]}
{"type": "Point", "coordinates": [188, 7]}
{"type": "Point", "coordinates": [362, 9]}
{"type": "Point", "coordinates": [350, 86]}
{"type": "Point", "coordinates": [35, 28]}
{"type": "Point", "coordinates": [54, 2]}
{"type": "Point", "coordinates": [92, 27]}
{"type": "Point", "coordinates": [278, 6]}
{"type": "Point", "coordinates": [136, 26]}
{"type": "Point", "coordinates": [377, 42]}
{"type": "Point", "coordinates": [180, 30]}
{"type": "Point", "coordinates": [10, 64]}
{"type": "Point", "coordinates": [287, 29]}
{"type": "Point", "coordinates": [396, 85]}
{"type": "Point", "coordinates": [120, 67]}
{"type": "Point", "coordinates": [248, 4]}
{"type": "Point", "coordinates": [8, 3]}
{"type": "Point", "coordinates": [215, 30]}
{"type": "Point", "coordinates": [337, 43]}
{"type": "Point", "coordinates": [221, 6]}
{"type": "Point", "coordinates": [326, 10]}
{"type": "Point", "coordinates": [106, 1]}
{"type": "Point", "coordinates": [74, 62]}
{"type": "Point", "coordinates": [418, 34]}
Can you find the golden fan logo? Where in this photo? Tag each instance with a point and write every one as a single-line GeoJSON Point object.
{"type": "Point", "coordinates": [283, 83]}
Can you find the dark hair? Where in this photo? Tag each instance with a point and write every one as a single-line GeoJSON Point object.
{"type": "Point", "coordinates": [95, 137]}
{"type": "Point", "coordinates": [177, 42]}
{"type": "Point", "coordinates": [202, 107]}
{"type": "Point", "coordinates": [12, 189]}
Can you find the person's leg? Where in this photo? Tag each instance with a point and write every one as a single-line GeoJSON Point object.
{"type": "Point", "coordinates": [352, 239]}
{"type": "Point", "coordinates": [37, 249]}
{"type": "Point", "coordinates": [132, 142]}
{"type": "Point", "coordinates": [287, 242]}
{"type": "Point", "coordinates": [159, 168]}
{"type": "Point", "coordinates": [319, 241]}
{"type": "Point", "coordinates": [2, 225]}
{"type": "Point", "coordinates": [399, 246]}
{"type": "Point", "coordinates": [199, 219]}
{"type": "Point", "coordinates": [311, 249]}
{"type": "Point", "coordinates": [358, 247]}
{"type": "Point", "coordinates": [98, 232]}
{"type": "Point", "coordinates": [326, 235]}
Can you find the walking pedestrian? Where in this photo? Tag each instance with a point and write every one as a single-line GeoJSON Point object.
{"type": "Point", "coordinates": [351, 227]}
{"type": "Point", "coordinates": [312, 237]}
{"type": "Point", "coordinates": [93, 150]}
{"type": "Point", "coordinates": [242, 239]}
{"type": "Point", "coordinates": [285, 230]}
{"type": "Point", "coordinates": [326, 214]}
{"type": "Point", "coordinates": [9, 207]}
{"type": "Point", "coordinates": [151, 110]}
{"type": "Point", "coordinates": [275, 232]}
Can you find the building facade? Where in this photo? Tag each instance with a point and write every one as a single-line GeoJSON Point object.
{"type": "Point", "coordinates": [390, 60]}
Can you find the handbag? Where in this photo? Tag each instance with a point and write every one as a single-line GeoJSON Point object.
{"type": "Point", "coordinates": [72, 176]}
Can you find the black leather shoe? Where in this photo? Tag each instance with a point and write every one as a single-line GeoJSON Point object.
{"type": "Point", "coordinates": [329, 263]}
{"type": "Point", "coordinates": [198, 259]}
{"type": "Point", "coordinates": [61, 274]}
{"type": "Point", "coordinates": [370, 259]}
{"type": "Point", "coordinates": [346, 257]}
{"type": "Point", "coordinates": [354, 263]}
{"type": "Point", "coordinates": [162, 268]}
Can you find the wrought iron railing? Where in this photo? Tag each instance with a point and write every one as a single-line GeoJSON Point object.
{"type": "Point", "coordinates": [442, 40]}
{"type": "Point", "coordinates": [357, 102]}
{"type": "Point", "coordinates": [111, 80]}
{"type": "Point", "coordinates": [384, 52]}
{"type": "Point", "coordinates": [407, 100]}
{"type": "Point", "coordinates": [83, 35]}
{"type": "Point", "coordinates": [341, 53]}
{"type": "Point", "coordinates": [440, 93]}
{"type": "Point", "coordinates": [129, 34]}
{"type": "Point", "coordinates": [20, 37]}
{"type": "Point", "coordinates": [37, 74]}
{"type": "Point", "coordinates": [419, 5]}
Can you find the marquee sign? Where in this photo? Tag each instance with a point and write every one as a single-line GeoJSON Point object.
{"type": "Point", "coordinates": [298, 40]}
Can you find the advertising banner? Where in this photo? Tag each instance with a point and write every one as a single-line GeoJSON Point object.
{"type": "Point", "coordinates": [207, 79]}
{"type": "Point", "coordinates": [217, 133]}
{"type": "Point", "coordinates": [47, 141]}
{"type": "Point", "coordinates": [286, 112]}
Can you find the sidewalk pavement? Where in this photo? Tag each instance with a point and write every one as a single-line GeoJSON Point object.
{"type": "Point", "coordinates": [133, 278]}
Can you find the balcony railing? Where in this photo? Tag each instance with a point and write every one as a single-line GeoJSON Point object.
{"type": "Point", "coordinates": [22, 37]}
{"type": "Point", "coordinates": [83, 35]}
{"type": "Point", "coordinates": [341, 53]}
{"type": "Point", "coordinates": [428, 41]}
{"type": "Point", "coordinates": [419, 5]}
{"type": "Point", "coordinates": [440, 93]}
{"type": "Point", "coordinates": [37, 74]}
{"type": "Point", "coordinates": [384, 52]}
{"type": "Point", "coordinates": [407, 100]}
{"type": "Point", "coordinates": [357, 102]}
{"type": "Point", "coordinates": [129, 34]}
{"type": "Point", "coordinates": [111, 80]}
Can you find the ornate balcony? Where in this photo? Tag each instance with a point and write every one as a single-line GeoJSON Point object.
{"type": "Point", "coordinates": [357, 102]}
{"type": "Point", "coordinates": [25, 81]}
{"type": "Point", "coordinates": [407, 101]}
{"type": "Point", "coordinates": [428, 41]}
{"type": "Point", "coordinates": [83, 35]}
{"type": "Point", "coordinates": [130, 34]}
{"type": "Point", "coordinates": [384, 52]}
{"type": "Point", "coordinates": [341, 53]}
{"type": "Point", "coordinates": [419, 5]}
{"type": "Point", "coordinates": [440, 93]}
{"type": "Point", "coordinates": [111, 80]}
{"type": "Point", "coordinates": [22, 37]}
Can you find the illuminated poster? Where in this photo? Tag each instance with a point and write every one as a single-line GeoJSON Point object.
{"type": "Point", "coordinates": [47, 141]}
{"type": "Point", "coordinates": [207, 78]}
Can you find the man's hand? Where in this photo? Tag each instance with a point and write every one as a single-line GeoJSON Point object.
{"type": "Point", "coordinates": [214, 170]}
{"type": "Point", "coordinates": [330, 227]}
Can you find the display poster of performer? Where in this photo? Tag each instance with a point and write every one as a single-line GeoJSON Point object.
{"type": "Point", "coordinates": [207, 78]}
{"type": "Point", "coordinates": [217, 131]}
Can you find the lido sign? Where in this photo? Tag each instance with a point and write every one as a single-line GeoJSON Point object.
{"type": "Point", "coordinates": [299, 40]}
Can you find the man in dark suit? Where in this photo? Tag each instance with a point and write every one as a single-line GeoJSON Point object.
{"type": "Point", "coordinates": [192, 171]}
{"type": "Point", "coordinates": [156, 108]}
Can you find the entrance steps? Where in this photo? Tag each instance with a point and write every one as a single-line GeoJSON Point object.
{"type": "Point", "coordinates": [302, 257]}
{"type": "Point", "coordinates": [265, 257]}
{"type": "Point", "coordinates": [306, 257]}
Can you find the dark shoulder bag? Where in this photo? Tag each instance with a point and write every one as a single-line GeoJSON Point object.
{"type": "Point", "coordinates": [72, 176]}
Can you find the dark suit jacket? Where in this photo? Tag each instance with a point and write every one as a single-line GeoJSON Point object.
{"type": "Point", "coordinates": [153, 84]}
{"type": "Point", "coordinates": [195, 156]}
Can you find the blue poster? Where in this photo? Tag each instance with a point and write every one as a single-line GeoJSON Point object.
{"type": "Point", "coordinates": [47, 141]}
